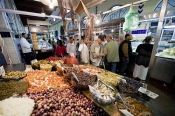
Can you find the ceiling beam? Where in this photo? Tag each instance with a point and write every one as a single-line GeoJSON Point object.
{"type": "Point", "coordinates": [46, 8]}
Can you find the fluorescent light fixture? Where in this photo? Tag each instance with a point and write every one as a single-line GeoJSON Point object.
{"type": "Point", "coordinates": [97, 21]}
{"type": "Point", "coordinates": [43, 13]}
{"type": "Point", "coordinates": [171, 26]}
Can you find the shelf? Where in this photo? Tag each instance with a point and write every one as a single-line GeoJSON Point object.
{"type": "Point", "coordinates": [167, 35]}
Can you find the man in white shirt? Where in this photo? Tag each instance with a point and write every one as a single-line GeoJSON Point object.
{"type": "Point", "coordinates": [26, 48]}
{"type": "Point", "coordinates": [84, 51]}
{"type": "Point", "coordinates": [71, 47]}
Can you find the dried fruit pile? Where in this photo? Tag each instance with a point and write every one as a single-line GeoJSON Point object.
{"type": "Point", "coordinates": [69, 102]}
{"type": "Point", "coordinates": [130, 87]}
{"type": "Point", "coordinates": [43, 80]}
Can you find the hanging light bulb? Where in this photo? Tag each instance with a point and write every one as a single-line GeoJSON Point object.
{"type": "Point", "coordinates": [97, 21]}
{"type": "Point", "coordinates": [112, 30]}
{"type": "Point", "coordinates": [51, 4]}
{"type": "Point", "coordinates": [53, 19]}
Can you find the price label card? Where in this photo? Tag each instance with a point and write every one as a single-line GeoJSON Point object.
{"type": "Point", "coordinates": [142, 90]}
{"type": "Point", "coordinates": [2, 71]}
{"type": "Point", "coordinates": [126, 112]}
{"type": "Point", "coordinates": [153, 95]}
{"type": "Point", "coordinates": [148, 93]}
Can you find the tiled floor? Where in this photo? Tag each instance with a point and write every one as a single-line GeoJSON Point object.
{"type": "Point", "coordinates": [165, 103]}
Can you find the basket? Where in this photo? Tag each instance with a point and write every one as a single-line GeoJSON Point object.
{"type": "Point", "coordinates": [99, 100]}
{"type": "Point", "coordinates": [46, 67]}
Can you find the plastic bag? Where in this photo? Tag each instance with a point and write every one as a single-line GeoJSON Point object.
{"type": "Point", "coordinates": [131, 20]}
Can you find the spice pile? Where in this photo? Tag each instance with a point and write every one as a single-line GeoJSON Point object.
{"type": "Point", "coordinates": [7, 89]}
{"type": "Point", "coordinates": [43, 80]}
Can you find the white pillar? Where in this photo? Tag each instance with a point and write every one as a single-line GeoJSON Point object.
{"type": "Point", "coordinates": [157, 38]}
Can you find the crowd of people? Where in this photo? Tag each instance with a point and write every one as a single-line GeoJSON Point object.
{"type": "Point", "coordinates": [104, 52]}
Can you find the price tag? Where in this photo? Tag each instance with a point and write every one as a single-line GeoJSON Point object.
{"type": "Point", "coordinates": [126, 112]}
{"type": "Point", "coordinates": [142, 90]}
{"type": "Point", "coordinates": [152, 95]}
{"type": "Point", "coordinates": [148, 93]}
{"type": "Point", "coordinates": [2, 71]}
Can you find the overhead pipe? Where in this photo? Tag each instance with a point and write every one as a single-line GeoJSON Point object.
{"type": "Point", "coordinates": [30, 13]}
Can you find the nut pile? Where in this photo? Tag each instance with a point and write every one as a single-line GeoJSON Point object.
{"type": "Point", "coordinates": [110, 78]}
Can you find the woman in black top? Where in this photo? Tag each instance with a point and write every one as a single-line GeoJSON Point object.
{"type": "Point", "coordinates": [142, 62]}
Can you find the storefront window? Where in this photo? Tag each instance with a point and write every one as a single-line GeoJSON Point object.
{"type": "Point", "coordinates": [116, 14]}
{"type": "Point", "coordinates": [170, 4]}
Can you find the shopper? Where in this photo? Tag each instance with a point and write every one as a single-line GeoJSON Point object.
{"type": "Point", "coordinates": [125, 51]}
{"type": "Point", "coordinates": [26, 48]}
{"type": "Point", "coordinates": [142, 62]}
{"type": "Point", "coordinates": [96, 51]}
{"type": "Point", "coordinates": [111, 52]}
{"type": "Point", "coordinates": [71, 47]}
{"type": "Point", "coordinates": [53, 43]}
{"type": "Point", "coordinates": [49, 41]}
{"type": "Point", "coordinates": [84, 51]}
{"type": "Point", "coordinates": [60, 49]}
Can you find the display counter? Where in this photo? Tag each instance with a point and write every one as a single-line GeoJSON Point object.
{"type": "Point", "coordinates": [163, 69]}
{"type": "Point", "coordinates": [60, 95]}
{"type": "Point", "coordinates": [43, 54]}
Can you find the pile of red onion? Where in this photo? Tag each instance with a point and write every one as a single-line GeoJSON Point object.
{"type": "Point", "coordinates": [69, 102]}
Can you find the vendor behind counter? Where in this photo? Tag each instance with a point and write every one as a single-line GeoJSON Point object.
{"type": "Point", "coordinates": [2, 58]}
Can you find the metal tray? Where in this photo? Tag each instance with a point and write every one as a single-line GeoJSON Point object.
{"type": "Point", "coordinates": [153, 110]}
{"type": "Point", "coordinates": [11, 79]}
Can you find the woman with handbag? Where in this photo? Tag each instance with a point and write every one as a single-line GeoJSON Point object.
{"type": "Point", "coordinates": [142, 62]}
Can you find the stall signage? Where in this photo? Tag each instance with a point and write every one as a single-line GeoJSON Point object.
{"type": "Point", "coordinates": [142, 31]}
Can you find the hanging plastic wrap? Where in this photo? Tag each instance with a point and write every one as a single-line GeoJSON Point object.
{"type": "Point", "coordinates": [131, 20]}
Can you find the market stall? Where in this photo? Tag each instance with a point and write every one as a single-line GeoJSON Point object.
{"type": "Point", "coordinates": [164, 57]}
{"type": "Point", "coordinates": [71, 90]}
{"type": "Point", "coordinates": [39, 34]}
